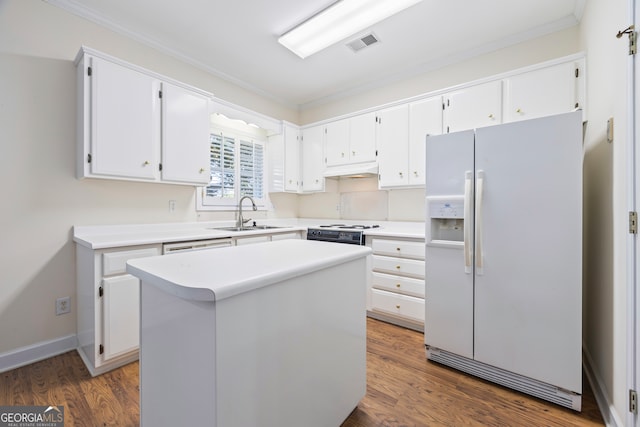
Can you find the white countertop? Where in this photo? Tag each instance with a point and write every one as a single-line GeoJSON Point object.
{"type": "Point", "coordinates": [110, 236]}
{"type": "Point", "coordinates": [214, 274]}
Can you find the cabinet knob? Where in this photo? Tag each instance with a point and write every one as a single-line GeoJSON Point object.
{"type": "Point", "coordinates": [397, 267]}
{"type": "Point", "coordinates": [146, 163]}
{"type": "Point", "coordinates": [317, 180]}
{"type": "Point", "coordinates": [342, 154]}
{"type": "Point", "coordinates": [398, 306]}
{"type": "Point", "coordinates": [397, 285]}
{"type": "Point", "coordinates": [201, 170]}
{"type": "Point", "coordinates": [491, 116]}
{"type": "Point", "coordinates": [398, 249]}
{"type": "Point", "coordinates": [518, 110]}
{"type": "Point", "coordinates": [353, 153]}
{"type": "Point", "coordinates": [415, 173]}
{"type": "Point", "coordinates": [400, 173]}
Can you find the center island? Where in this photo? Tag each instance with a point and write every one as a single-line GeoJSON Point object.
{"type": "Point", "coordinates": [270, 334]}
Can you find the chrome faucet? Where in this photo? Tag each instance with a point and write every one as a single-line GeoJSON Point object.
{"type": "Point", "coordinates": [241, 221]}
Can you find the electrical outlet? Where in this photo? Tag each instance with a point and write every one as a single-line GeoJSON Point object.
{"type": "Point", "coordinates": [63, 305]}
{"type": "Point", "coordinates": [172, 206]}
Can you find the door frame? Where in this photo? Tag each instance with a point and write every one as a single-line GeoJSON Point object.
{"type": "Point", "coordinates": [633, 186]}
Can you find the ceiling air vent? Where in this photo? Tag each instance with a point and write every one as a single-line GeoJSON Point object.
{"type": "Point", "coordinates": [362, 42]}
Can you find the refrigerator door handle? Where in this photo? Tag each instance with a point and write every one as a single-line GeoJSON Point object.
{"type": "Point", "coordinates": [468, 218]}
{"type": "Point", "coordinates": [479, 223]}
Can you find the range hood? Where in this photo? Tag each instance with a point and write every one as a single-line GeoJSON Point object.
{"type": "Point", "coordinates": [356, 170]}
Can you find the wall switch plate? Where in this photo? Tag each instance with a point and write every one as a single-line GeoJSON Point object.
{"type": "Point", "coordinates": [63, 305]}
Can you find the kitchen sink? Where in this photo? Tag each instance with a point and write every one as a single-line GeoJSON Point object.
{"type": "Point", "coordinates": [247, 228]}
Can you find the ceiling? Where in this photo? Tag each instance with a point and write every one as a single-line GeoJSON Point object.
{"type": "Point", "coordinates": [237, 40]}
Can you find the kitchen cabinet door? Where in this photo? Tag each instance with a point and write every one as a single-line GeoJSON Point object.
{"type": "Point", "coordinates": [425, 118]}
{"type": "Point", "coordinates": [393, 146]}
{"type": "Point", "coordinates": [472, 107]}
{"type": "Point", "coordinates": [283, 160]}
{"type": "Point", "coordinates": [185, 135]}
{"type": "Point", "coordinates": [362, 138]}
{"type": "Point", "coordinates": [124, 121]}
{"type": "Point", "coordinates": [291, 158]}
{"type": "Point", "coordinates": [121, 315]}
{"type": "Point", "coordinates": [543, 92]}
{"type": "Point", "coordinates": [337, 142]}
{"type": "Point", "coordinates": [312, 159]}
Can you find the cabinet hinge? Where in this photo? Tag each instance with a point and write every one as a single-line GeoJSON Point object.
{"type": "Point", "coordinates": [160, 167]}
{"type": "Point", "coordinates": [101, 349]}
{"type": "Point", "coordinates": [633, 401]}
{"type": "Point", "coordinates": [633, 222]}
{"type": "Point", "coordinates": [633, 38]}
{"type": "Point", "coordinates": [100, 291]}
{"type": "Point", "coordinates": [89, 158]}
{"type": "Point", "coordinates": [89, 71]}
{"type": "Point", "coordinates": [160, 94]}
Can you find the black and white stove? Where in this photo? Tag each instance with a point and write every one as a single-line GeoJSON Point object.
{"type": "Point", "coordinates": [339, 233]}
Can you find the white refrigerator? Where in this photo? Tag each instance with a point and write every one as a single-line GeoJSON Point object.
{"type": "Point", "coordinates": [504, 254]}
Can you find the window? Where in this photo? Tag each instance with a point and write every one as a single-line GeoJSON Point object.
{"type": "Point", "coordinates": [237, 170]}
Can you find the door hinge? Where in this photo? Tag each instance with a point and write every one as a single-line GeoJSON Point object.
{"type": "Point", "coordinates": [633, 401]}
{"type": "Point", "coordinates": [100, 291]}
{"type": "Point", "coordinates": [89, 158]}
{"type": "Point", "coordinates": [633, 38]}
{"type": "Point", "coordinates": [101, 349]}
{"type": "Point", "coordinates": [633, 222]}
{"type": "Point", "coordinates": [89, 71]}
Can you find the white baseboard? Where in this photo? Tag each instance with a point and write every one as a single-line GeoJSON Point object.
{"type": "Point", "coordinates": [36, 352]}
{"type": "Point", "coordinates": [609, 414]}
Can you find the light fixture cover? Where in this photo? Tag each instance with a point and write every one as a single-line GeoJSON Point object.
{"type": "Point", "coordinates": [339, 21]}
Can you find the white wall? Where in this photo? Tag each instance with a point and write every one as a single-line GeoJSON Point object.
{"type": "Point", "coordinates": [41, 198]}
{"type": "Point", "coordinates": [605, 212]}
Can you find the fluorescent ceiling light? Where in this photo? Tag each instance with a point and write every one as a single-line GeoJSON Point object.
{"type": "Point", "coordinates": [339, 21]}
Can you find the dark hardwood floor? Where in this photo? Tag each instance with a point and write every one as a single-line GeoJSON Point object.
{"type": "Point", "coordinates": [403, 389]}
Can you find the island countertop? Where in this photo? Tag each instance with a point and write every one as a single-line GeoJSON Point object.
{"type": "Point", "coordinates": [215, 274]}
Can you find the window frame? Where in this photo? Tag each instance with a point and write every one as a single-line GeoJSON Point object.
{"type": "Point", "coordinates": [209, 203]}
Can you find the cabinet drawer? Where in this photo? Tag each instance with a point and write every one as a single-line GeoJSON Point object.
{"type": "Point", "coordinates": [399, 284]}
{"type": "Point", "coordinates": [116, 262]}
{"type": "Point", "coordinates": [401, 266]}
{"type": "Point", "coordinates": [398, 248]}
{"type": "Point", "coordinates": [401, 305]}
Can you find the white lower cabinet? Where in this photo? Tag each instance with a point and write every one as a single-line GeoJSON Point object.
{"type": "Point", "coordinates": [108, 306]}
{"type": "Point", "coordinates": [397, 290]}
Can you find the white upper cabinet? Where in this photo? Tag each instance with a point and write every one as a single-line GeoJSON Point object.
{"type": "Point", "coordinates": [185, 125]}
{"type": "Point", "coordinates": [362, 138]}
{"type": "Point", "coordinates": [122, 122]}
{"type": "Point", "coordinates": [351, 140]}
{"type": "Point", "coordinates": [543, 92]}
{"type": "Point", "coordinates": [473, 107]}
{"type": "Point", "coordinates": [283, 159]}
{"type": "Point", "coordinates": [291, 158]}
{"type": "Point", "coordinates": [312, 159]}
{"type": "Point", "coordinates": [425, 118]}
{"type": "Point", "coordinates": [136, 125]}
{"type": "Point", "coordinates": [393, 146]}
{"type": "Point", "coordinates": [337, 142]}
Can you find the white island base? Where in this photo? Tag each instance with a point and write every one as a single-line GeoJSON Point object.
{"type": "Point", "coordinates": [272, 334]}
